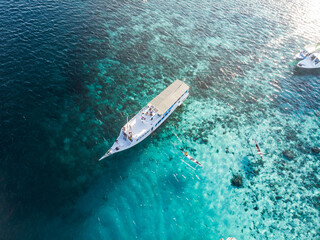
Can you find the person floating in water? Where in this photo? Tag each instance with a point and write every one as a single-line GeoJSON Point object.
{"type": "Point", "coordinates": [258, 149]}
{"type": "Point", "coordinates": [191, 158]}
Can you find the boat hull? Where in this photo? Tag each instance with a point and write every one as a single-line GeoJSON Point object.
{"type": "Point", "coordinates": [152, 127]}
{"type": "Point", "coordinates": [309, 64]}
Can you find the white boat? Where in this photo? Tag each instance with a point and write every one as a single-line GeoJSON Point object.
{"type": "Point", "coordinates": [150, 117]}
{"type": "Point", "coordinates": [307, 50]}
{"type": "Point", "coordinates": [310, 62]}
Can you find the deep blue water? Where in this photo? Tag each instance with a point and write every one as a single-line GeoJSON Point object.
{"type": "Point", "coordinates": [70, 73]}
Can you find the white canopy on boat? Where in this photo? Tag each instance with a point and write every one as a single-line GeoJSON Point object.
{"type": "Point", "coordinates": [169, 96]}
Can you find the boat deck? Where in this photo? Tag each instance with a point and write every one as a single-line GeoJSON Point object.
{"type": "Point", "coordinates": [150, 117]}
{"type": "Point", "coordinates": [136, 128]}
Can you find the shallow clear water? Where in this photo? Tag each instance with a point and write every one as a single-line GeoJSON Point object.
{"type": "Point", "coordinates": [70, 74]}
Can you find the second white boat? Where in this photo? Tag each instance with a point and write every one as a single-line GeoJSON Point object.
{"type": "Point", "coordinates": [307, 50]}
{"type": "Point", "coordinates": [310, 62]}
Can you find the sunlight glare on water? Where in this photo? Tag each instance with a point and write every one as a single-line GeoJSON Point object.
{"type": "Point", "coordinates": [305, 19]}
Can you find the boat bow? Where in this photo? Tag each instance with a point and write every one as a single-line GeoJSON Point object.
{"type": "Point", "coordinates": [107, 154]}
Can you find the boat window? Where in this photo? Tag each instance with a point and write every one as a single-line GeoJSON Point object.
{"type": "Point", "coordinates": [313, 57]}
{"type": "Point", "coordinates": [317, 61]}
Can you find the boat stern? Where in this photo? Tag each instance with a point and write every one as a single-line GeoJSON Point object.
{"type": "Point", "coordinates": [299, 57]}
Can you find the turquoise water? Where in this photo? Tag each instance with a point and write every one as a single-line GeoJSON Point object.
{"type": "Point", "coordinates": [71, 73]}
